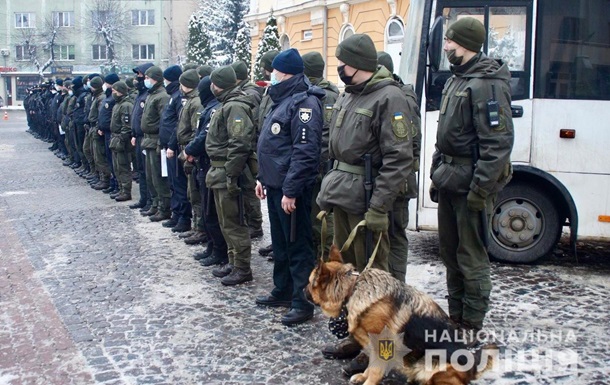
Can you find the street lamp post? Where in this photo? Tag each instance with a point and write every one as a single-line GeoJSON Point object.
{"type": "Point", "coordinates": [171, 41]}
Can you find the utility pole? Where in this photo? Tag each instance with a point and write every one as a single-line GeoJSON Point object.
{"type": "Point", "coordinates": [171, 41]}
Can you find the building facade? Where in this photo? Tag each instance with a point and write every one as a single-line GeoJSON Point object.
{"type": "Point", "coordinates": [155, 31]}
{"type": "Point", "coordinates": [321, 25]}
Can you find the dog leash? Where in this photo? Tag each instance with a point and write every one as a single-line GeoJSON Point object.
{"type": "Point", "coordinates": [350, 239]}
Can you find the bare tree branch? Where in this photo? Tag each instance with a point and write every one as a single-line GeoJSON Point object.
{"type": "Point", "coordinates": [109, 21]}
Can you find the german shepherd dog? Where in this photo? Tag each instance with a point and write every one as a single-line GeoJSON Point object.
{"type": "Point", "coordinates": [375, 300]}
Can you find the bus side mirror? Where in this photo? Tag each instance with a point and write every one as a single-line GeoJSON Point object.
{"type": "Point", "coordinates": [435, 44]}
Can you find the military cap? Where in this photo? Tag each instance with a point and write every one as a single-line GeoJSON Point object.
{"type": "Point", "coordinates": [190, 79]}
{"type": "Point", "coordinates": [155, 73]}
{"type": "Point", "coordinates": [96, 83]}
{"type": "Point", "coordinates": [121, 87]}
{"type": "Point", "coordinates": [204, 70]}
{"type": "Point", "coordinates": [314, 64]}
{"type": "Point", "coordinates": [467, 32]}
{"type": "Point", "coordinates": [189, 66]}
{"type": "Point", "coordinates": [224, 77]}
{"type": "Point", "coordinates": [358, 51]}
{"type": "Point", "coordinates": [384, 59]}
{"type": "Point", "coordinates": [267, 59]}
{"type": "Point", "coordinates": [241, 70]}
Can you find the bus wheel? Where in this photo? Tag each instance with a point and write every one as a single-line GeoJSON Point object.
{"type": "Point", "coordinates": [525, 225]}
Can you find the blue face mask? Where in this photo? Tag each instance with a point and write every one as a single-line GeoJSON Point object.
{"type": "Point", "coordinates": [274, 79]}
{"type": "Point", "coordinates": [147, 83]}
{"type": "Point", "coordinates": [86, 86]}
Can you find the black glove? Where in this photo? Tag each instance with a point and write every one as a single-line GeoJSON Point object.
{"type": "Point", "coordinates": [433, 193]}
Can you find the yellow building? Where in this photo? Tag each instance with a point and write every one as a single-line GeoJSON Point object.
{"type": "Point", "coordinates": [321, 25]}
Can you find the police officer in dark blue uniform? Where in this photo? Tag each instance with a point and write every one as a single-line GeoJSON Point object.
{"type": "Point", "coordinates": [289, 156]}
{"type": "Point", "coordinates": [104, 126]}
{"type": "Point", "coordinates": [137, 134]}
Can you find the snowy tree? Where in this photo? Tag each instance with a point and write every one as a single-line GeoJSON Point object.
{"type": "Point", "coordinates": [108, 21]}
{"type": "Point", "coordinates": [506, 48]}
{"type": "Point", "coordinates": [269, 41]}
{"type": "Point", "coordinates": [39, 41]}
{"type": "Point", "coordinates": [243, 45]}
{"type": "Point", "coordinates": [198, 48]}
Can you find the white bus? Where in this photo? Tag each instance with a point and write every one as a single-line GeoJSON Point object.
{"type": "Point", "coordinates": [558, 52]}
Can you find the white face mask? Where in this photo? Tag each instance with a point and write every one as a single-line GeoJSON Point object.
{"type": "Point", "coordinates": [104, 87]}
{"type": "Point", "coordinates": [70, 92]}
{"type": "Point", "coordinates": [57, 87]}
{"type": "Point", "coordinates": [166, 82]}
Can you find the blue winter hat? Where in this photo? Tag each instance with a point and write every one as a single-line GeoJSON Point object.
{"type": "Point", "coordinates": [91, 76]}
{"type": "Point", "coordinates": [172, 73]}
{"type": "Point", "coordinates": [77, 82]}
{"type": "Point", "coordinates": [288, 62]}
{"type": "Point", "coordinates": [59, 82]}
{"type": "Point", "coordinates": [111, 78]}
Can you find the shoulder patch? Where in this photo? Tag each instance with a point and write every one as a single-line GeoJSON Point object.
{"type": "Point", "coordinates": [183, 102]}
{"type": "Point", "coordinates": [237, 127]}
{"type": "Point", "coordinates": [106, 105]}
{"type": "Point", "coordinates": [305, 114]}
{"type": "Point", "coordinates": [142, 104]}
{"type": "Point", "coordinates": [126, 118]}
{"type": "Point", "coordinates": [399, 126]}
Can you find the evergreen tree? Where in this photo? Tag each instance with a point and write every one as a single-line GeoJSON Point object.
{"type": "Point", "coordinates": [198, 48]}
{"type": "Point", "coordinates": [269, 41]}
{"type": "Point", "coordinates": [243, 45]}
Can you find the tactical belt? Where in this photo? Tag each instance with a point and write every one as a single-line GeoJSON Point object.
{"type": "Point", "coordinates": [217, 163]}
{"type": "Point", "coordinates": [456, 159]}
{"type": "Point", "coordinates": [358, 170]}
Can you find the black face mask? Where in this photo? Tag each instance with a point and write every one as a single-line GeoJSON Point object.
{"type": "Point", "coordinates": [140, 84]}
{"type": "Point", "coordinates": [344, 78]}
{"type": "Point", "coordinates": [453, 59]}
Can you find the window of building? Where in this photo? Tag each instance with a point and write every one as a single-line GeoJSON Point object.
{"type": "Point", "coordinates": [394, 34]}
{"type": "Point", "coordinates": [99, 17]}
{"type": "Point", "coordinates": [25, 20]}
{"type": "Point", "coordinates": [21, 53]}
{"type": "Point", "coordinates": [146, 17]}
{"type": "Point", "coordinates": [307, 35]}
{"type": "Point", "coordinates": [65, 52]}
{"type": "Point", "coordinates": [346, 31]}
{"type": "Point", "coordinates": [143, 51]}
{"type": "Point", "coordinates": [284, 42]}
{"type": "Point", "coordinates": [99, 52]}
{"type": "Point", "coordinates": [63, 19]}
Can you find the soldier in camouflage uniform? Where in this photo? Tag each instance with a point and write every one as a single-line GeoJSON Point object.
{"type": "Point", "coordinates": [465, 127]}
{"type": "Point", "coordinates": [229, 145]}
{"type": "Point", "coordinates": [120, 139]}
{"type": "Point", "coordinates": [97, 140]}
{"type": "Point", "coordinates": [254, 215]}
{"type": "Point", "coordinates": [371, 117]}
{"type": "Point", "coordinates": [151, 116]}
{"type": "Point", "coordinates": [187, 126]}
{"type": "Point", "coordinates": [399, 244]}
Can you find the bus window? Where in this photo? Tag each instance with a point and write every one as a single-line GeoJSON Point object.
{"type": "Point", "coordinates": [573, 50]}
{"type": "Point", "coordinates": [507, 40]}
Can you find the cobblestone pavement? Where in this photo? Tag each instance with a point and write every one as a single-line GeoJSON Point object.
{"type": "Point", "coordinates": [93, 293]}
